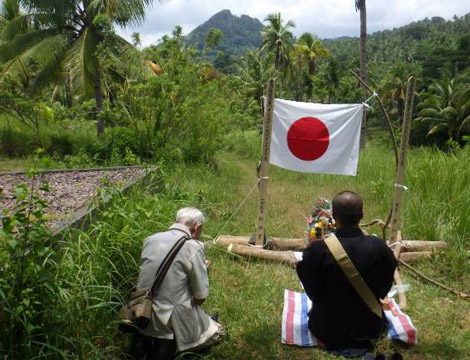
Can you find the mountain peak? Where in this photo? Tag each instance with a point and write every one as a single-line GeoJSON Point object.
{"type": "Point", "coordinates": [240, 33]}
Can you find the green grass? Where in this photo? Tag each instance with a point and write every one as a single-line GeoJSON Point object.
{"type": "Point", "coordinates": [248, 294]}
{"type": "Point", "coordinates": [99, 265]}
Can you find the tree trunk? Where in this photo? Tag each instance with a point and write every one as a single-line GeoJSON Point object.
{"type": "Point", "coordinates": [363, 67]}
{"type": "Point", "coordinates": [312, 67]}
{"type": "Point", "coordinates": [68, 92]}
{"type": "Point", "coordinates": [277, 59]}
{"type": "Point", "coordinates": [99, 103]}
{"type": "Point", "coordinates": [299, 79]}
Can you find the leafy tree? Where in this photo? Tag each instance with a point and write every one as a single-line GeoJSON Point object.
{"type": "Point", "coordinates": [213, 38]}
{"type": "Point", "coordinates": [66, 37]}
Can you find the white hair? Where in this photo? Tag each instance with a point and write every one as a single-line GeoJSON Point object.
{"type": "Point", "coordinates": [190, 216]}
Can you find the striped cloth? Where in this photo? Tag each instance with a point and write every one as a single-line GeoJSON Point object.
{"type": "Point", "coordinates": [295, 322]}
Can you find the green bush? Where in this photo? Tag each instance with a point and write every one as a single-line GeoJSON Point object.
{"type": "Point", "coordinates": [117, 143]}
{"type": "Point", "coordinates": [60, 144]}
{"type": "Point", "coordinates": [15, 143]}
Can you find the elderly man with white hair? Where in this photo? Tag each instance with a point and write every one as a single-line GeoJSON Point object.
{"type": "Point", "coordinates": [178, 322]}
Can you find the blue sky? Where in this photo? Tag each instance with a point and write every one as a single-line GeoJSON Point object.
{"type": "Point", "coordinates": [327, 19]}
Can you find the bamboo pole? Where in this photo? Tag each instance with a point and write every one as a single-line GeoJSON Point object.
{"type": "Point", "coordinates": [395, 233]}
{"type": "Point", "coordinates": [399, 187]}
{"type": "Point", "coordinates": [397, 278]}
{"type": "Point", "coordinates": [264, 167]}
{"type": "Point", "coordinates": [434, 282]}
{"type": "Point", "coordinates": [384, 112]}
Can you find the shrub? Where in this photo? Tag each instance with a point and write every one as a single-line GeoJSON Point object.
{"type": "Point", "coordinates": [15, 143]}
{"type": "Point", "coordinates": [60, 144]}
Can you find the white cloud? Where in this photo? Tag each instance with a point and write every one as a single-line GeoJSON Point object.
{"type": "Point", "coordinates": [327, 19]}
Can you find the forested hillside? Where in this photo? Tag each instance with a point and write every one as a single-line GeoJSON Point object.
{"type": "Point", "coordinates": [435, 44]}
{"type": "Point", "coordinates": [240, 34]}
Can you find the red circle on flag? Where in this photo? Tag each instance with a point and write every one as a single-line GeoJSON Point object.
{"type": "Point", "coordinates": [308, 138]}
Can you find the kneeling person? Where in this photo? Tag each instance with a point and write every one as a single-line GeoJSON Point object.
{"type": "Point", "coordinates": [177, 315]}
{"type": "Point", "coordinates": [339, 317]}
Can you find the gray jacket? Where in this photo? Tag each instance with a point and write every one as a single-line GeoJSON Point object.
{"type": "Point", "coordinates": [174, 314]}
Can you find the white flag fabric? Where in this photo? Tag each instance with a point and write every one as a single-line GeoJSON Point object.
{"type": "Point", "coordinates": [316, 138]}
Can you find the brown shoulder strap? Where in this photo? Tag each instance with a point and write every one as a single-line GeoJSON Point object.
{"type": "Point", "coordinates": [166, 263]}
{"type": "Point", "coordinates": [352, 274]}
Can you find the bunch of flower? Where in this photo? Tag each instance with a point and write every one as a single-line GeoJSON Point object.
{"type": "Point", "coordinates": [321, 222]}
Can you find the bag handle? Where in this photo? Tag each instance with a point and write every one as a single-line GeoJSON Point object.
{"type": "Point", "coordinates": [167, 261]}
{"type": "Point", "coordinates": [351, 273]}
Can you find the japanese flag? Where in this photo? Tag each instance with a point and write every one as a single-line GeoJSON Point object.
{"type": "Point", "coordinates": [316, 138]}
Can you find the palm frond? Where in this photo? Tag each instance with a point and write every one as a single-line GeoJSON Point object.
{"type": "Point", "coordinates": [15, 27]}
{"type": "Point", "coordinates": [121, 12]}
{"type": "Point", "coordinates": [464, 125]}
{"type": "Point", "coordinates": [39, 54]}
{"type": "Point", "coordinates": [81, 63]}
{"type": "Point", "coordinates": [439, 128]}
{"type": "Point", "coordinates": [50, 73]}
{"type": "Point", "coordinates": [23, 42]}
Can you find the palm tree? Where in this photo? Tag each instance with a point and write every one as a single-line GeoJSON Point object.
{"type": "Point", "coordinates": [445, 109]}
{"type": "Point", "coordinates": [278, 39]}
{"type": "Point", "coordinates": [253, 71]}
{"type": "Point", "coordinates": [361, 6]}
{"type": "Point", "coordinates": [312, 49]}
{"type": "Point", "coordinates": [67, 37]}
{"type": "Point", "coordinates": [394, 87]}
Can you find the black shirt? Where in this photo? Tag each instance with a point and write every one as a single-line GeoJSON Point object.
{"type": "Point", "coordinates": [339, 317]}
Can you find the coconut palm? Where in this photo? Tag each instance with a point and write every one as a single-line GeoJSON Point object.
{"type": "Point", "coordinates": [445, 109]}
{"type": "Point", "coordinates": [312, 49]}
{"type": "Point", "coordinates": [67, 37]}
{"type": "Point", "coordinates": [278, 39]}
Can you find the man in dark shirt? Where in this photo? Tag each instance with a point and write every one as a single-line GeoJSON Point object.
{"type": "Point", "coordinates": [339, 317]}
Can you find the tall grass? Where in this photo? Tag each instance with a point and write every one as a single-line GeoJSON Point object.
{"type": "Point", "coordinates": [98, 266]}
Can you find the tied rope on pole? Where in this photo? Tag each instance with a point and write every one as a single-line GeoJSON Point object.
{"type": "Point", "coordinates": [214, 240]}
{"type": "Point", "coordinates": [366, 103]}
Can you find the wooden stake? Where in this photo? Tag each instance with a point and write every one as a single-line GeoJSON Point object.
{"type": "Point", "coordinates": [399, 187]}
{"type": "Point", "coordinates": [264, 168]}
